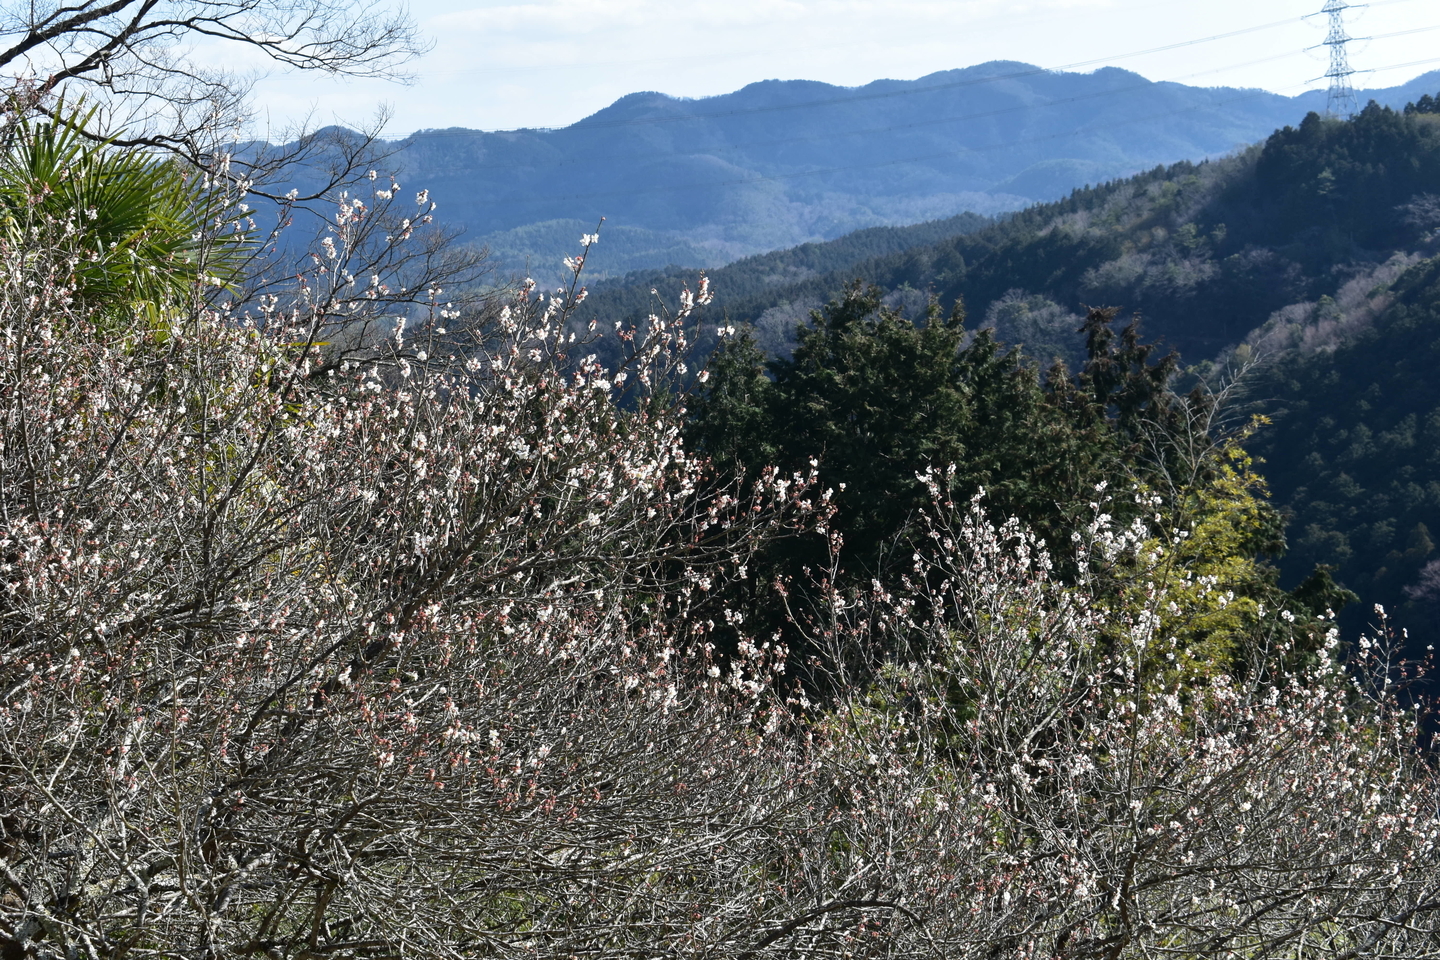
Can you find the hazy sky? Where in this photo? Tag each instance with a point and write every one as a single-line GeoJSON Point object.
{"type": "Point", "coordinates": [502, 64]}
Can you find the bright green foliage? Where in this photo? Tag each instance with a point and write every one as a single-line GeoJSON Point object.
{"type": "Point", "coordinates": [136, 225]}
{"type": "Point", "coordinates": [1206, 574]}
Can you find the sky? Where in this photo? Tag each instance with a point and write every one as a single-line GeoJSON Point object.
{"type": "Point", "coordinates": [505, 64]}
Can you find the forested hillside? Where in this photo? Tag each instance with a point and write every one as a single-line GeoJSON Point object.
{"type": "Point", "coordinates": [886, 412]}
{"type": "Point", "coordinates": [357, 605]}
{"type": "Point", "coordinates": [1206, 252]}
{"type": "Point", "coordinates": [1285, 255]}
{"type": "Point", "coordinates": [701, 182]}
{"type": "Point", "coordinates": [1354, 454]}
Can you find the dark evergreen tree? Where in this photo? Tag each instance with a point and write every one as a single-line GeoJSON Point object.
{"type": "Point", "coordinates": [731, 419]}
{"type": "Point", "coordinates": [875, 400]}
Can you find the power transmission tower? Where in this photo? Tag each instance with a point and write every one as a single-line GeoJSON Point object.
{"type": "Point", "coordinates": [1341, 102]}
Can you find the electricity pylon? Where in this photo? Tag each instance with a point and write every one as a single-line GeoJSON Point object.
{"type": "Point", "coordinates": [1341, 102]}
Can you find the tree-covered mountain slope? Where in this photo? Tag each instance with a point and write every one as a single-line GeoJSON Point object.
{"type": "Point", "coordinates": [750, 284]}
{"type": "Point", "coordinates": [1354, 454]}
{"type": "Point", "coordinates": [1310, 259]}
{"type": "Point", "coordinates": [702, 182]}
{"type": "Point", "coordinates": [1207, 252]}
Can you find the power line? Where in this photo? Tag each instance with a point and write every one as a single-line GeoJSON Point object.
{"type": "Point", "coordinates": [889, 128]}
{"type": "Point", "coordinates": [880, 95]}
{"type": "Point", "coordinates": [870, 131]}
{"type": "Point", "coordinates": [509, 69]}
{"type": "Point", "coordinates": [864, 166]}
{"type": "Point", "coordinates": [1340, 101]}
{"type": "Point", "coordinates": [972, 81]}
{"type": "Point", "coordinates": [739, 181]}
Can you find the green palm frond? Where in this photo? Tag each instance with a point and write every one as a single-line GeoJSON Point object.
{"type": "Point", "coordinates": [138, 225]}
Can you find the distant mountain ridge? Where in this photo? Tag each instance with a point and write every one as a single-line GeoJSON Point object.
{"type": "Point", "coordinates": [1312, 259]}
{"type": "Point", "coordinates": [779, 163]}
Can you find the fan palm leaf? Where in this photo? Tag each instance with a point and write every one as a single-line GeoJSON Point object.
{"type": "Point", "coordinates": [138, 226]}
